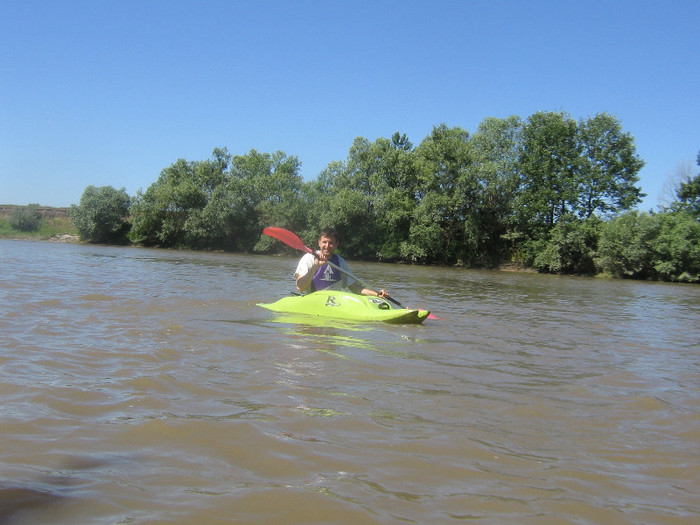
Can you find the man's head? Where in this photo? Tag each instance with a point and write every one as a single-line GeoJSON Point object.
{"type": "Point", "coordinates": [328, 241]}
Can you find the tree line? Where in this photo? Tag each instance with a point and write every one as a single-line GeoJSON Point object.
{"type": "Point", "coordinates": [549, 192]}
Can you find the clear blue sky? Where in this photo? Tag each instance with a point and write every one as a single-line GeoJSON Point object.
{"type": "Point", "coordinates": [111, 92]}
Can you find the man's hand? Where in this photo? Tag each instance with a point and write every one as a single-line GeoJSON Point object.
{"type": "Point", "coordinates": [319, 258]}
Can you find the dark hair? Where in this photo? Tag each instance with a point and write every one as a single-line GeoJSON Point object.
{"type": "Point", "coordinates": [329, 232]}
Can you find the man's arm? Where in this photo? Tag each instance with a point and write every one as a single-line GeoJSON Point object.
{"type": "Point", "coordinates": [304, 278]}
{"type": "Point", "coordinates": [357, 288]}
{"type": "Point", "coordinates": [304, 281]}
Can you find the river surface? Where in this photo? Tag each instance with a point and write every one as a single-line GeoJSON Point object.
{"type": "Point", "coordinates": [146, 386]}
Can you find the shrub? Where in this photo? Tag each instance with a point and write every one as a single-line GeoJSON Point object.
{"type": "Point", "coordinates": [662, 246]}
{"type": "Point", "coordinates": [676, 248]}
{"type": "Point", "coordinates": [101, 215]}
{"type": "Point", "coordinates": [571, 247]}
{"type": "Point", "coordinates": [624, 246]}
{"type": "Point", "coordinates": [26, 219]}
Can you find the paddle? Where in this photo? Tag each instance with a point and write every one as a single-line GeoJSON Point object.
{"type": "Point", "coordinates": [293, 241]}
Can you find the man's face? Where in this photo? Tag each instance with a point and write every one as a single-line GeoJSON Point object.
{"type": "Point", "coordinates": [327, 245]}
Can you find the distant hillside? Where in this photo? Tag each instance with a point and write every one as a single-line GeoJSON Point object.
{"type": "Point", "coordinates": [46, 211]}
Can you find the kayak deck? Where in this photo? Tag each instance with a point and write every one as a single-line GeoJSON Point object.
{"type": "Point", "coordinates": [346, 306]}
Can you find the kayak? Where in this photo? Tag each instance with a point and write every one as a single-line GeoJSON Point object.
{"type": "Point", "coordinates": [347, 306]}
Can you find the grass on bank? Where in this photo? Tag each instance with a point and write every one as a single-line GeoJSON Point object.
{"type": "Point", "coordinates": [49, 227]}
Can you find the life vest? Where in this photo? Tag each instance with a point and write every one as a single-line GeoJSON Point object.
{"type": "Point", "coordinates": [326, 275]}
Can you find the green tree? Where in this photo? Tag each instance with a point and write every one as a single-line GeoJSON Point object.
{"type": "Point", "coordinates": [385, 172]}
{"type": "Point", "coordinates": [174, 210]}
{"type": "Point", "coordinates": [441, 230]}
{"type": "Point", "coordinates": [688, 195]}
{"type": "Point", "coordinates": [584, 168]}
{"type": "Point", "coordinates": [369, 198]}
{"type": "Point", "coordinates": [624, 249]}
{"type": "Point", "coordinates": [571, 248]}
{"type": "Point", "coordinates": [348, 212]}
{"type": "Point", "coordinates": [675, 250]}
{"type": "Point", "coordinates": [26, 219]}
{"type": "Point", "coordinates": [609, 167]}
{"type": "Point", "coordinates": [102, 215]}
{"type": "Point", "coordinates": [267, 191]}
{"type": "Point", "coordinates": [495, 146]}
{"type": "Point", "coordinates": [219, 203]}
{"type": "Point", "coordinates": [662, 246]}
{"type": "Point", "coordinates": [548, 165]}
{"type": "Point", "coordinates": [159, 215]}
{"type": "Point", "coordinates": [341, 199]}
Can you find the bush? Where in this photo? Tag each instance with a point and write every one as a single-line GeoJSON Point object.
{"type": "Point", "coordinates": [624, 248]}
{"type": "Point", "coordinates": [662, 246]}
{"type": "Point", "coordinates": [26, 219]}
{"type": "Point", "coordinates": [101, 215]}
{"type": "Point", "coordinates": [676, 248]}
{"type": "Point", "coordinates": [571, 247]}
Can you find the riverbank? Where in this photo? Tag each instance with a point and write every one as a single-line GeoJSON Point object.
{"type": "Point", "coordinates": [41, 235]}
{"type": "Point", "coordinates": [58, 237]}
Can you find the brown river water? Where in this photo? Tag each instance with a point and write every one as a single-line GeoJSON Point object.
{"type": "Point", "coordinates": [146, 386]}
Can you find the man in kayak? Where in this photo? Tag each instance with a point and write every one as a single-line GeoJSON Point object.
{"type": "Point", "coordinates": [313, 272]}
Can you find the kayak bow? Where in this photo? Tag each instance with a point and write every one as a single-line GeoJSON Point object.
{"type": "Point", "coordinates": [346, 306]}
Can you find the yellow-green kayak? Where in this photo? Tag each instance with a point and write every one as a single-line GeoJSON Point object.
{"type": "Point", "coordinates": [348, 307]}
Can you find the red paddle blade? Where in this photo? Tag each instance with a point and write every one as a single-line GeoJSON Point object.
{"type": "Point", "coordinates": [290, 239]}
